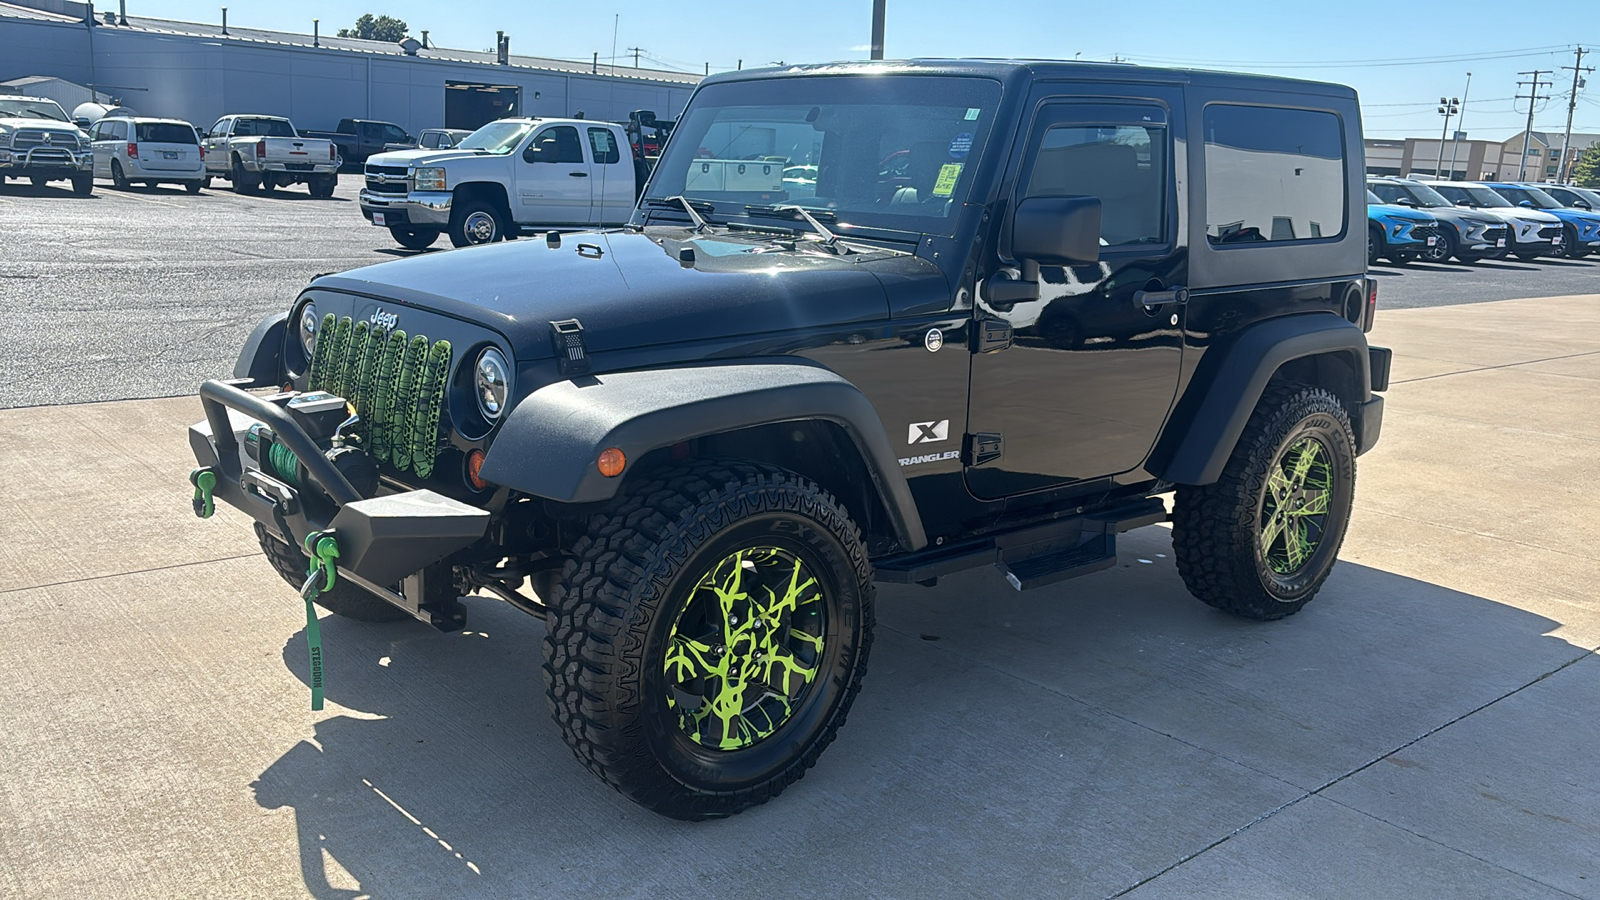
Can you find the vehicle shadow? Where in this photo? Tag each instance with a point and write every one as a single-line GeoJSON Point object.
{"type": "Point", "coordinates": [1496, 265]}
{"type": "Point", "coordinates": [27, 189]}
{"type": "Point", "coordinates": [403, 253]}
{"type": "Point", "coordinates": [297, 194]}
{"type": "Point", "coordinates": [1004, 744]}
{"type": "Point", "coordinates": [1566, 263]}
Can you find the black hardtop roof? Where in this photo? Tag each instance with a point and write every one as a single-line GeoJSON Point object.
{"type": "Point", "coordinates": [1006, 70]}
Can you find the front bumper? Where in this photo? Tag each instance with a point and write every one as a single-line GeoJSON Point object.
{"type": "Point", "coordinates": [46, 161]}
{"type": "Point", "coordinates": [383, 539]}
{"type": "Point", "coordinates": [425, 208]}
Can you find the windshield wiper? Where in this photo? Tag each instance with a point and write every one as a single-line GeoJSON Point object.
{"type": "Point", "coordinates": [829, 239]}
{"type": "Point", "coordinates": [687, 205]}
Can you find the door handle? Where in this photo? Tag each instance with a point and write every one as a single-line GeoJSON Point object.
{"type": "Point", "coordinates": [1148, 300]}
{"type": "Point", "coordinates": [579, 174]}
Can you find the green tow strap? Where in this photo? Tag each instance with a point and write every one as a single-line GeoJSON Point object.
{"type": "Point", "coordinates": [321, 575]}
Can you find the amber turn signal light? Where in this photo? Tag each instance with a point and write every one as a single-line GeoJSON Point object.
{"type": "Point", "coordinates": [474, 465]}
{"type": "Point", "coordinates": [611, 462]}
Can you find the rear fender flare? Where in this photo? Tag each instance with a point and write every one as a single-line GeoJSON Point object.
{"type": "Point", "coordinates": [550, 442]}
{"type": "Point", "coordinates": [1233, 388]}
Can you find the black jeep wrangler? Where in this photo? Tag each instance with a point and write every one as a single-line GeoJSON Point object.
{"type": "Point", "coordinates": [871, 322]}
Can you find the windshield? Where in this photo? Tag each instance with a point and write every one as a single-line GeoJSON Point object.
{"type": "Point", "coordinates": [1477, 196]}
{"type": "Point", "coordinates": [1538, 198]}
{"type": "Point", "coordinates": [165, 133]}
{"type": "Point", "coordinates": [1591, 197]}
{"type": "Point", "coordinates": [498, 138]}
{"type": "Point", "coordinates": [1420, 194]}
{"type": "Point", "coordinates": [895, 152]}
{"type": "Point", "coordinates": [31, 108]}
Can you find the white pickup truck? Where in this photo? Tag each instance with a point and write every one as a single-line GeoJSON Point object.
{"type": "Point", "coordinates": [265, 152]}
{"type": "Point", "coordinates": [509, 176]}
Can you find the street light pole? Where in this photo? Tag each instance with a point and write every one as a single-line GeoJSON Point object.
{"type": "Point", "coordinates": [1447, 108]}
{"type": "Point", "coordinates": [1460, 121]}
{"type": "Point", "coordinates": [877, 28]}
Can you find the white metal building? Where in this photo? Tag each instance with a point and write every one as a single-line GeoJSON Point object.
{"type": "Point", "coordinates": [197, 72]}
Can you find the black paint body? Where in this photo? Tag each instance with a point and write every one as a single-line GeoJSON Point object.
{"type": "Point", "coordinates": [1091, 396]}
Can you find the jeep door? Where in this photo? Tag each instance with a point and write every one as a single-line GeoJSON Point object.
{"type": "Point", "coordinates": [553, 179]}
{"type": "Point", "coordinates": [1075, 386]}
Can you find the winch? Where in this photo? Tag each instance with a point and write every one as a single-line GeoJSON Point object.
{"type": "Point", "coordinates": [327, 419]}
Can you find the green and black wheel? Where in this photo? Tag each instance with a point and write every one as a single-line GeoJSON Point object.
{"type": "Point", "coordinates": [346, 599]}
{"type": "Point", "coordinates": [1261, 540]}
{"type": "Point", "coordinates": [709, 637]}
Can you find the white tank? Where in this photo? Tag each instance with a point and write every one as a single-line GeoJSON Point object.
{"type": "Point", "coordinates": [94, 112]}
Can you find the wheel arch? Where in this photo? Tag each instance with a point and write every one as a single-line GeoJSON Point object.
{"type": "Point", "coordinates": [1316, 348]}
{"type": "Point", "coordinates": [752, 410]}
{"type": "Point", "coordinates": [491, 191]}
{"type": "Point", "coordinates": [261, 357]}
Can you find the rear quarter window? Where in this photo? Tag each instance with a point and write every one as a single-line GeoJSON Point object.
{"type": "Point", "coordinates": [1273, 175]}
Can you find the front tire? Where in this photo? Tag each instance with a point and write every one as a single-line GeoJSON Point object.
{"type": "Point", "coordinates": [477, 222]}
{"type": "Point", "coordinates": [1374, 246]}
{"type": "Point", "coordinates": [415, 238]}
{"type": "Point", "coordinates": [1569, 243]}
{"type": "Point", "coordinates": [1260, 542]}
{"type": "Point", "coordinates": [1442, 249]}
{"type": "Point", "coordinates": [709, 637]}
{"type": "Point", "coordinates": [194, 187]}
{"type": "Point", "coordinates": [346, 600]}
{"type": "Point", "coordinates": [83, 185]}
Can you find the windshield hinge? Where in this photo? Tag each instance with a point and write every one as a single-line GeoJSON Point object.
{"type": "Point", "coordinates": [991, 335]}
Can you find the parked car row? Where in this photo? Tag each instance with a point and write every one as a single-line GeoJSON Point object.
{"type": "Point", "coordinates": [1468, 221]}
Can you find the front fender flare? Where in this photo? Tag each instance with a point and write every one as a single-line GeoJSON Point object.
{"type": "Point", "coordinates": [261, 358]}
{"type": "Point", "coordinates": [549, 444]}
{"type": "Point", "coordinates": [1234, 388]}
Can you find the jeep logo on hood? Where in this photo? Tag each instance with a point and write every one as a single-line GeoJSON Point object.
{"type": "Point", "coordinates": [384, 320]}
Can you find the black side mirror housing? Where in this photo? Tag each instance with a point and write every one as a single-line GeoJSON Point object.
{"type": "Point", "coordinates": [1057, 231]}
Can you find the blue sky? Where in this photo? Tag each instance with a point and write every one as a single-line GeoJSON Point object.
{"type": "Point", "coordinates": [1399, 60]}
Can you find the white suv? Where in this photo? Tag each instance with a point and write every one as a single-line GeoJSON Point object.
{"type": "Point", "coordinates": [148, 151]}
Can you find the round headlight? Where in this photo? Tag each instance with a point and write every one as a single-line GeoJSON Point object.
{"type": "Point", "coordinates": [492, 383]}
{"type": "Point", "coordinates": [308, 329]}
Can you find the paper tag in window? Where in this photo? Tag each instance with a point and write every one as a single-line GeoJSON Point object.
{"type": "Point", "coordinates": [948, 174]}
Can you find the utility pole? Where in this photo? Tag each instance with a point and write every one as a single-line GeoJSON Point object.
{"type": "Point", "coordinates": [1563, 167]}
{"type": "Point", "coordinates": [1532, 98]}
{"type": "Point", "coordinates": [877, 28]}
{"type": "Point", "coordinates": [1447, 108]}
{"type": "Point", "coordinates": [1461, 121]}
{"type": "Point", "coordinates": [636, 51]}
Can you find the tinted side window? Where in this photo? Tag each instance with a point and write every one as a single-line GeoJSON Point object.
{"type": "Point", "coordinates": [1453, 194]}
{"type": "Point", "coordinates": [1273, 175]}
{"type": "Point", "coordinates": [1123, 165]}
{"type": "Point", "coordinates": [165, 133]}
{"type": "Point", "coordinates": [1515, 195]}
{"type": "Point", "coordinates": [395, 135]}
{"type": "Point", "coordinates": [556, 145]}
{"type": "Point", "coordinates": [118, 131]}
{"type": "Point", "coordinates": [430, 141]}
{"type": "Point", "coordinates": [603, 146]}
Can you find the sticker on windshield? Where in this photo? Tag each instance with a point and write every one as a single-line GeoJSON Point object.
{"type": "Point", "coordinates": [961, 145]}
{"type": "Point", "coordinates": [972, 113]}
{"type": "Point", "coordinates": [946, 185]}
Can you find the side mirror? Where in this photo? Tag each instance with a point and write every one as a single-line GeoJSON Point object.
{"type": "Point", "coordinates": [1050, 231]}
{"type": "Point", "coordinates": [1526, 204]}
{"type": "Point", "coordinates": [1466, 203]}
{"type": "Point", "coordinates": [82, 122]}
{"type": "Point", "coordinates": [1405, 201]}
{"type": "Point", "coordinates": [1581, 204]}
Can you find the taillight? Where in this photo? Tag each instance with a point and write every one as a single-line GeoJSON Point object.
{"type": "Point", "coordinates": [261, 148]}
{"type": "Point", "coordinates": [331, 155]}
{"type": "Point", "coordinates": [133, 150]}
{"type": "Point", "coordinates": [1372, 304]}
{"type": "Point", "coordinates": [202, 152]}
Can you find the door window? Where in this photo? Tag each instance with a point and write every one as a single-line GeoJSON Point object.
{"type": "Point", "coordinates": [1273, 174]}
{"type": "Point", "coordinates": [393, 135]}
{"type": "Point", "coordinates": [1123, 165]}
{"type": "Point", "coordinates": [558, 144]}
{"type": "Point", "coordinates": [603, 146]}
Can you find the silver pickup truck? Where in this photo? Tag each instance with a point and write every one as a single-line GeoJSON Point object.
{"type": "Point", "coordinates": [265, 152]}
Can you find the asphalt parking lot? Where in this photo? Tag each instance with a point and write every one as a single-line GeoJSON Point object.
{"type": "Point", "coordinates": [1427, 728]}
{"type": "Point", "coordinates": [148, 292]}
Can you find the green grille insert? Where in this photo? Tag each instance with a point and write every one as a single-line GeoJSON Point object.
{"type": "Point", "coordinates": [395, 381]}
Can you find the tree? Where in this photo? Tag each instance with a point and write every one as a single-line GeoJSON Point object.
{"type": "Point", "coordinates": [1586, 171]}
{"type": "Point", "coordinates": [382, 28]}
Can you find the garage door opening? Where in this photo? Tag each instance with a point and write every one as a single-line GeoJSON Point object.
{"type": "Point", "coordinates": [469, 104]}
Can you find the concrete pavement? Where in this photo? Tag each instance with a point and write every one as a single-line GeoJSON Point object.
{"type": "Point", "coordinates": [1425, 728]}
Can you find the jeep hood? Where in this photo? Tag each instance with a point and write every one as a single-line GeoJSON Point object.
{"type": "Point", "coordinates": [634, 290]}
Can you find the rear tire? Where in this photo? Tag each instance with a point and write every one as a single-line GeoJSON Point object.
{"type": "Point", "coordinates": [654, 681]}
{"type": "Point", "coordinates": [194, 187]}
{"type": "Point", "coordinates": [1254, 543]}
{"type": "Point", "coordinates": [322, 186]}
{"type": "Point", "coordinates": [119, 179]}
{"type": "Point", "coordinates": [38, 180]}
{"type": "Point", "coordinates": [477, 222]}
{"type": "Point", "coordinates": [243, 182]}
{"type": "Point", "coordinates": [415, 238]}
{"type": "Point", "coordinates": [346, 600]}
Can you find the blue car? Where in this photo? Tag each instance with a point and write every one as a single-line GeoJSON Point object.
{"type": "Point", "coordinates": [1398, 233]}
{"type": "Point", "coordinates": [1580, 229]}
